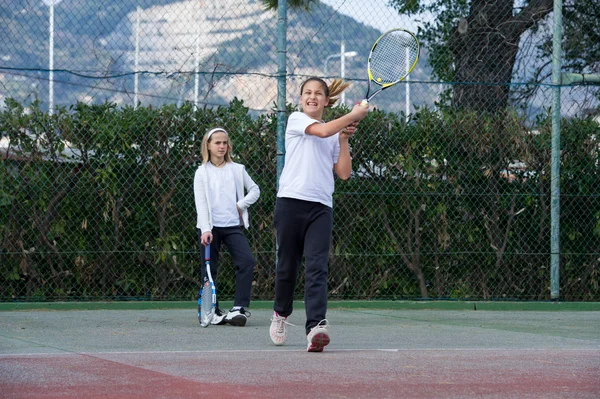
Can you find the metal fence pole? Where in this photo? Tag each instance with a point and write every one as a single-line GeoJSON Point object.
{"type": "Point", "coordinates": [555, 171]}
{"type": "Point", "coordinates": [281, 89]}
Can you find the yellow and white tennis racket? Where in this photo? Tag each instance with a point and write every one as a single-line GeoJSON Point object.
{"type": "Point", "coordinates": [393, 57]}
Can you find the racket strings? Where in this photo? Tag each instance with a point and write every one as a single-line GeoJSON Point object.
{"type": "Point", "coordinates": [206, 305]}
{"type": "Point", "coordinates": [393, 57]}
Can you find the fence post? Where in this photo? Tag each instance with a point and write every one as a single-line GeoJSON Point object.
{"type": "Point", "coordinates": [555, 168]}
{"type": "Point", "coordinates": [281, 89]}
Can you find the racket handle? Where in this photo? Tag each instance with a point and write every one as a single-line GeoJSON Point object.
{"type": "Point", "coordinates": [364, 104]}
{"type": "Point", "coordinates": [207, 252]}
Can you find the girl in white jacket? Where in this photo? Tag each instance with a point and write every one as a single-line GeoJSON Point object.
{"type": "Point", "coordinates": [222, 210]}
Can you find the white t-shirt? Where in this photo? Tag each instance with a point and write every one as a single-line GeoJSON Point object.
{"type": "Point", "coordinates": [221, 191]}
{"type": "Point", "coordinates": [309, 160]}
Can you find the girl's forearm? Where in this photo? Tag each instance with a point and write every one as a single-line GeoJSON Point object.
{"type": "Point", "coordinates": [330, 128]}
{"type": "Point", "coordinates": [343, 167]}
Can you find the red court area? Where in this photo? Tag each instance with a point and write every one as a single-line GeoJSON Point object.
{"type": "Point", "coordinates": [286, 373]}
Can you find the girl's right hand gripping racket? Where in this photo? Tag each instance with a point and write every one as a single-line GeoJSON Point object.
{"type": "Point", "coordinates": [208, 296]}
{"type": "Point", "coordinates": [393, 57]}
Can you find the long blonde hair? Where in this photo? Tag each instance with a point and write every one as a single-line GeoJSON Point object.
{"type": "Point", "coordinates": [207, 138]}
{"type": "Point", "coordinates": [332, 91]}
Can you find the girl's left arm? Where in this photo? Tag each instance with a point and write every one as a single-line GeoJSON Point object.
{"type": "Point", "coordinates": [200, 198]}
{"type": "Point", "coordinates": [253, 191]}
{"type": "Point", "coordinates": [343, 167]}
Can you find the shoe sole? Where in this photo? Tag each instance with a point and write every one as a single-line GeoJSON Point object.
{"type": "Point", "coordinates": [318, 342]}
{"type": "Point", "coordinates": [238, 321]}
{"type": "Point", "coordinates": [278, 343]}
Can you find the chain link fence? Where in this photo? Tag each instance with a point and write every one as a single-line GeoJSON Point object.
{"type": "Point", "coordinates": [104, 104]}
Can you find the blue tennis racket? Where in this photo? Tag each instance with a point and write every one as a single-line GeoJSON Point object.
{"type": "Point", "coordinates": [207, 300]}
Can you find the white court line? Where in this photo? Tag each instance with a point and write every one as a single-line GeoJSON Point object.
{"type": "Point", "coordinates": [4, 355]}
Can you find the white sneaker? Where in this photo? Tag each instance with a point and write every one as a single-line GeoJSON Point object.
{"type": "Point", "coordinates": [278, 331]}
{"type": "Point", "coordinates": [318, 337]}
{"type": "Point", "coordinates": [218, 318]}
{"type": "Point", "coordinates": [237, 317]}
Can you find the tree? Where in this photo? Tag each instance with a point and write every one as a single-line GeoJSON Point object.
{"type": "Point", "coordinates": [581, 43]}
{"type": "Point", "coordinates": [581, 50]}
{"type": "Point", "coordinates": [475, 43]}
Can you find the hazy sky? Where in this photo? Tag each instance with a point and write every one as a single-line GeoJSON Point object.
{"type": "Point", "coordinates": [375, 13]}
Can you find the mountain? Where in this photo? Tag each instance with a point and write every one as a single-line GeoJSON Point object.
{"type": "Point", "coordinates": [231, 42]}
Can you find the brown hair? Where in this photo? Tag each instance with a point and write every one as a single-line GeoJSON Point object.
{"type": "Point", "coordinates": [332, 91]}
{"type": "Point", "coordinates": [207, 138]}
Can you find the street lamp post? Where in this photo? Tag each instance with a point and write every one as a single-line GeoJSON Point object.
{"type": "Point", "coordinates": [51, 59]}
{"type": "Point", "coordinates": [136, 78]}
{"type": "Point", "coordinates": [407, 85]}
{"type": "Point", "coordinates": [343, 67]}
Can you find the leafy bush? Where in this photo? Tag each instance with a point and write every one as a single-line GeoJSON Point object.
{"type": "Point", "coordinates": [97, 203]}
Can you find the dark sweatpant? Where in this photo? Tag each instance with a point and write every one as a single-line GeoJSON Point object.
{"type": "Point", "coordinates": [241, 255]}
{"type": "Point", "coordinates": [303, 227]}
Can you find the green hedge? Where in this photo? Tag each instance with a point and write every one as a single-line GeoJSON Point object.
{"type": "Point", "coordinates": [97, 203]}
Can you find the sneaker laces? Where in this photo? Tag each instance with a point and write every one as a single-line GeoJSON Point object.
{"type": "Point", "coordinates": [281, 322]}
{"type": "Point", "coordinates": [323, 324]}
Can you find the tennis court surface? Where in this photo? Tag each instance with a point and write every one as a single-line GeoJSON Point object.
{"type": "Point", "coordinates": [393, 350]}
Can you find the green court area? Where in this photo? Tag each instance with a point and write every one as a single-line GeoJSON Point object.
{"type": "Point", "coordinates": [382, 349]}
{"type": "Point", "coordinates": [552, 306]}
